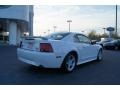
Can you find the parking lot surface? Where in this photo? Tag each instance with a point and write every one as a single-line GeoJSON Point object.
{"type": "Point", "coordinates": [13, 71]}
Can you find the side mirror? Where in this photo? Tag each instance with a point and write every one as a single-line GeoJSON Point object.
{"type": "Point", "coordinates": [93, 42]}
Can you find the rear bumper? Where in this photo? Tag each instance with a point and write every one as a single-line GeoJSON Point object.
{"type": "Point", "coordinates": [47, 60]}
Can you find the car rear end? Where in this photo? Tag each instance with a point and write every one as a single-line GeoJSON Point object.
{"type": "Point", "coordinates": [109, 45]}
{"type": "Point", "coordinates": [38, 52]}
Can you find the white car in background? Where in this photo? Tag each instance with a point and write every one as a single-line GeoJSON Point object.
{"type": "Point", "coordinates": [59, 50]}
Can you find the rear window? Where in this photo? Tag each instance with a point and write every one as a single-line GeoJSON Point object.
{"type": "Point", "coordinates": [57, 36]}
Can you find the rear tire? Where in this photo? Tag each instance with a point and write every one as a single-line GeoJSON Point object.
{"type": "Point", "coordinates": [69, 63]}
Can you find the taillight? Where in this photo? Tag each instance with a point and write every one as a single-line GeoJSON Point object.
{"type": "Point", "coordinates": [46, 47]}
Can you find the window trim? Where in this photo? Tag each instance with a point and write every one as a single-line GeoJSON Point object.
{"type": "Point", "coordinates": [76, 36]}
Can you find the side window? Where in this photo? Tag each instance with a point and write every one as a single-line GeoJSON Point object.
{"type": "Point", "coordinates": [76, 39]}
{"type": "Point", "coordinates": [83, 39]}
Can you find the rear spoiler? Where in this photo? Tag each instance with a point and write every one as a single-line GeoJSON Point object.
{"type": "Point", "coordinates": [33, 37]}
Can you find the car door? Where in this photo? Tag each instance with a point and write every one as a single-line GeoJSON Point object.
{"type": "Point", "coordinates": [86, 49]}
{"type": "Point", "coordinates": [80, 48]}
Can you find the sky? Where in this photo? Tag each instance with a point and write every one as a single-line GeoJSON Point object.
{"type": "Point", "coordinates": [84, 18]}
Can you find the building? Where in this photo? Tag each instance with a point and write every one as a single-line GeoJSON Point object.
{"type": "Point", "coordinates": [15, 21]}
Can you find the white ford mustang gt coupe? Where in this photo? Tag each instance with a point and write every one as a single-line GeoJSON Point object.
{"type": "Point", "coordinates": [59, 50]}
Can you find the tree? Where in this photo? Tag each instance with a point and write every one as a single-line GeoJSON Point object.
{"type": "Point", "coordinates": [104, 35]}
{"type": "Point", "coordinates": [115, 36]}
{"type": "Point", "coordinates": [92, 35]}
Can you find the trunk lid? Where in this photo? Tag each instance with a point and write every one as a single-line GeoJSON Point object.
{"type": "Point", "coordinates": [32, 43]}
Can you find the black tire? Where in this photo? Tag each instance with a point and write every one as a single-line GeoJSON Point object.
{"type": "Point", "coordinates": [101, 45]}
{"type": "Point", "coordinates": [100, 55]}
{"type": "Point", "coordinates": [116, 47]}
{"type": "Point", "coordinates": [104, 48]}
{"type": "Point", "coordinates": [66, 66]}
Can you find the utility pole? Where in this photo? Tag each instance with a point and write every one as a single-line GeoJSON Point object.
{"type": "Point", "coordinates": [104, 30]}
{"type": "Point", "coordinates": [69, 21]}
{"type": "Point", "coordinates": [54, 28]}
{"type": "Point", "coordinates": [44, 33]}
{"type": "Point", "coordinates": [48, 31]}
{"type": "Point", "coordinates": [116, 22]}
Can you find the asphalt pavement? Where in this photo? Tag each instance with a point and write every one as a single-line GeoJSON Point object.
{"type": "Point", "coordinates": [15, 72]}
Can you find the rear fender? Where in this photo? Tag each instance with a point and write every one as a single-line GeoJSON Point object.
{"type": "Point", "coordinates": [62, 48]}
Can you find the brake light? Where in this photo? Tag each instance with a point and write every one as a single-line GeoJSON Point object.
{"type": "Point", "coordinates": [46, 47]}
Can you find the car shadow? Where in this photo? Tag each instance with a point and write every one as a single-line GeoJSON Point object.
{"type": "Point", "coordinates": [88, 64]}
{"type": "Point", "coordinates": [40, 70]}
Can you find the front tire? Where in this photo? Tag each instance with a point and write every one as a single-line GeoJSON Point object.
{"type": "Point", "coordinates": [100, 55]}
{"type": "Point", "coordinates": [69, 63]}
{"type": "Point", "coordinates": [116, 48]}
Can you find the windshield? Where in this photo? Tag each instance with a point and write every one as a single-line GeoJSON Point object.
{"type": "Point", "coordinates": [106, 40]}
{"type": "Point", "coordinates": [57, 36]}
{"type": "Point", "coordinates": [114, 41]}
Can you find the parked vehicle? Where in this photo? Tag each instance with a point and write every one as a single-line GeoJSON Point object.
{"type": "Point", "coordinates": [62, 50]}
{"type": "Point", "coordinates": [115, 44]}
{"type": "Point", "coordinates": [104, 40]}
